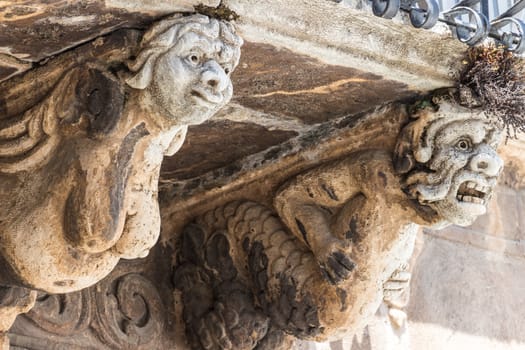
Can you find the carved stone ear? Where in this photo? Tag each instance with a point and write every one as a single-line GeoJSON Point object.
{"type": "Point", "coordinates": [102, 100]}
{"type": "Point", "coordinates": [143, 77]}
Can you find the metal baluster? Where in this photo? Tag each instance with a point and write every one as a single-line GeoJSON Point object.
{"type": "Point", "coordinates": [425, 13]}
{"type": "Point", "coordinates": [422, 13]}
{"type": "Point", "coordinates": [513, 38]}
{"type": "Point", "coordinates": [386, 8]}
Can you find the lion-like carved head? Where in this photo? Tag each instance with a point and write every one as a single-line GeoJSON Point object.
{"type": "Point", "coordinates": [449, 162]}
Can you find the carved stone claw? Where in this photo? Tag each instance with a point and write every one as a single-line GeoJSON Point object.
{"type": "Point", "coordinates": [336, 265]}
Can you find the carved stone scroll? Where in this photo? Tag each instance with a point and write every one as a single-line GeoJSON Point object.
{"type": "Point", "coordinates": [79, 163]}
{"type": "Point", "coordinates": [318, 264]}
{"type": "Point", "coordinates": [129, 312]}
{"type": "Point", "coordinates": [62, 314]}
{"type": "Point", "coordinates": [123, 311]}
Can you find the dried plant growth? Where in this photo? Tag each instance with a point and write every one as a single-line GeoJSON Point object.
{"type": "Point", "coordinates": [496, 80]}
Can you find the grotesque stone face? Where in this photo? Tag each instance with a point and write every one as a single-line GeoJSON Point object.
{"type": "Point", "coordinates": [198, 75]}
{"type": "Point", "coordinates": [190, 78]}
{"type": "Point", "coordinates": [458, 164]}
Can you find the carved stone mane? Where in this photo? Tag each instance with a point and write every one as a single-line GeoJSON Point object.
{"type": "Point", "coordinates": [316, 267]}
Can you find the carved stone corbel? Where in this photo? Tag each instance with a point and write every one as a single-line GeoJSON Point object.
{"type": "Point", "coordinates": [80, 159]}
{"type": "Point", "coordinates": [319, 263]}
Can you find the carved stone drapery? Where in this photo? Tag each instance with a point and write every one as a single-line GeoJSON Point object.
{"type": "Point", "coordinates": [316, 266]}
{"type": "Point", "coordinates": [80, 156]}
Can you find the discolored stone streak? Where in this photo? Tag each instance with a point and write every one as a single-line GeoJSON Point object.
{"type": "Point", "coordinates": [284, 83]}
{"type": "Point", "coordinates": [103, 99]}
{"type": "Point", "coordinates": [217, 144]}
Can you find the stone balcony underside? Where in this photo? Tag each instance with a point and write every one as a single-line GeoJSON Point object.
{"type": "Point", "coordinates": [301, 65]}
{"type": "Point", "coordinates": [307, 74]}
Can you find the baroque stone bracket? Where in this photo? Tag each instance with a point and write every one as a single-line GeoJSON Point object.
{"type": "Point", "coordinates": [314, 263]}
{"type": "Point", "coordinates": [308, 254]}
{"type": "Point", "coordinates": [81, 143]}
{"type": "Point", "coordinates": [318, 264]}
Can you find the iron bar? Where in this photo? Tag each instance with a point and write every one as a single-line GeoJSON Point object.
{"type": "Point", "coordinates": [425, 14]}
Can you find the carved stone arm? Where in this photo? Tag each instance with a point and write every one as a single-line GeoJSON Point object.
{"type": "Point", "coordinates": [319, 207]}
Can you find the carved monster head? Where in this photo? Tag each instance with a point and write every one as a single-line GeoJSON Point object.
{"type": "Point", "coordinates": [184, 68]}
{"type": "Point", "coordinates": [449, 161]}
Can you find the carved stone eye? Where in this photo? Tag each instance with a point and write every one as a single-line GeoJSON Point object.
{"type": "Point", "coordinates": [463, 145]}
{"type": "Point", "coordinates": [227, 70]}
{"type": "Point", "coordinates": [194, 59]}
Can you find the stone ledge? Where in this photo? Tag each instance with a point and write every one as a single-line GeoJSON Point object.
{"type": "Point", "coordinates": [341, 35]}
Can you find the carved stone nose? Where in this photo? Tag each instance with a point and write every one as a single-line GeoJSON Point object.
{"type": "Point", "coordinates": [486, 161]}
{"type": "Point", "coordinates": [213, 77]}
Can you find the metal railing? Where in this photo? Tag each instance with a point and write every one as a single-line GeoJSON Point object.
{"type": "Point", "coordinates": [471, 21]}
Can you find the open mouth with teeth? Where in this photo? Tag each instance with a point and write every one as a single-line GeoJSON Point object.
{"type": "Point", "coordinates": [471, 192]}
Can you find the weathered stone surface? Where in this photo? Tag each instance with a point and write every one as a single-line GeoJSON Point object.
{"type": "Point", "coordinates": [217, 144]}
{"type": "Point", "coordinates": [340, 33]}
{"type": "Point", "coordinates": [283, 83]}
{"type": "Point", "coordinates": [273, 114]}
{"type": "Point", "coordinates": [132, 308]}
{"type": "Point", "coordinates": [319, 266]}
{"type": "Point", "coordinates": [34, 30]}
{"type": "Point", "coordinates": [465, 290]}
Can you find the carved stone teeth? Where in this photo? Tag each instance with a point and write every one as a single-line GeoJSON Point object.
{"type": "Point", "coordinates": [460, 197]}
{"type": "Point", "coordinates": [480, 188]}
{"type": "Point", "coordinates": [471, 184]}
{"type": "Point", "coordinates": [472, 199]}
{"type": "Point", "coordinates": [477, 200]}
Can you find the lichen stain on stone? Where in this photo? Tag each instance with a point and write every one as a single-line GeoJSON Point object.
{"type": "Point", "coordinates": [14, 13]}
{"type": "Point", "coordinates": [220, 12]}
